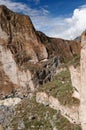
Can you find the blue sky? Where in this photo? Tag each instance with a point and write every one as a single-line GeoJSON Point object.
{"type": "Point", "coordinates": [56, 7]}
{"type": "Point", "coordinates": [58, 18]}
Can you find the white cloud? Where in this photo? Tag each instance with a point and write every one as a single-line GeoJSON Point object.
{"type": "Point", "coordinates": [21, 7]}
{"type": "Point", "coordinates": [67, 28]}
{"type": "Point", "coordinates": [77, 23]}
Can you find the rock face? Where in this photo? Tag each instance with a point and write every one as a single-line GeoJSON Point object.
{"type": "Point", "coordinates": [76, 81]}
{"type": "Point", "coordinates": [83, 82]}
{"type": "Point", "coordinates": [64, 49]}
{"type": "Point", "coordinates": [78, 77]}
{"type": "Point", "coordinates": [19, 35]}
{"type": "Point", "coordinates": [28, 58]}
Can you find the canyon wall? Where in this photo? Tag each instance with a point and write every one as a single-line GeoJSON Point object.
{"type": "Point", "coordinates": [28, 58]}
{"type": "Point", "coordinates": [82, 112]}
{"type": "Point", "coordinates": [78, 78]}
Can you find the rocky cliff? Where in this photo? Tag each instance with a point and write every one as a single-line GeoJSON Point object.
{"type": "Point", "coordinates": [29, 60]}
{"type": "Point", "coordinates": [64, 49]}
{"type": "Point", "coordinates": [27, 57]}
{"type": "Point", "coordinates": [83, 81]}
{"type": "Point", "coordinates": [78, 77]}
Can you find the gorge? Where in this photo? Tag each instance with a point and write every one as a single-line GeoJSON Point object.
{"type": "Point", "coordinates": [40, 76]}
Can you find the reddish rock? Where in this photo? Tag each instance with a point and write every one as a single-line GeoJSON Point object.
{"type": "Point", "coordinates": [28, 57]}
{"type": "Point", "coordinates": [60, 47]}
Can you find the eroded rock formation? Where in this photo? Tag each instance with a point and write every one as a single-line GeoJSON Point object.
{"type": "Point", "coordinates": [78, 77]}
{"type": "Point", "coordinates": [83, 82]}
{"type": "Point", "coordinates": [28, 58]}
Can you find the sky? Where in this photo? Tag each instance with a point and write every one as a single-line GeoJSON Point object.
{"type": "Point", "coordinates": [56, 18]}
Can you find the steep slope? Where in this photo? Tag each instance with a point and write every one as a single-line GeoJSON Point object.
{"type": "Point", "coordinates": [29, 58]}
{"type": "Point", "coordinates": [83, 82]}
{"type": "Point", "coordinates": [64, 49]}
{"type": "Point", "coordinates": [29, 115]}
{"type": "Point", "coordinates": [19, 35]}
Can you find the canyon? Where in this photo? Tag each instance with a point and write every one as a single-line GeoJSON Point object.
{"type": "Point", "coordinates": [40, 74]}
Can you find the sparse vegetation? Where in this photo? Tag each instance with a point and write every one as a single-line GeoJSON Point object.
{"type": "Point", "coordinates": [76, 60]}
{"type": "Point", "coordinates": [36, 116]}
{"type": "Point", "coordinates": [61, 88]}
